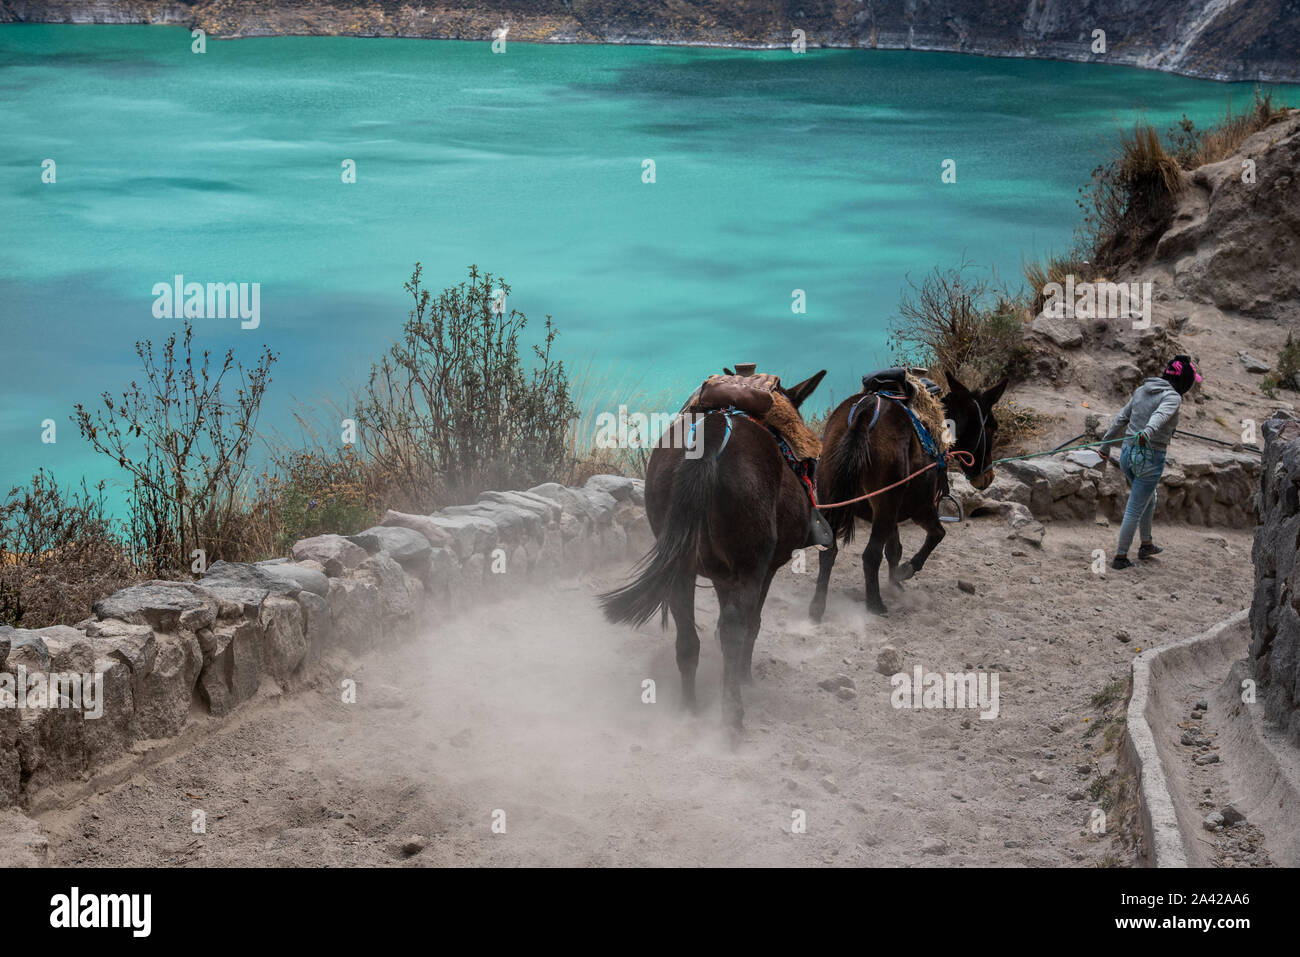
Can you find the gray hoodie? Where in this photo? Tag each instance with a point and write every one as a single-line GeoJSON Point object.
{"type": "Point", "coordinates": [1153, 412]}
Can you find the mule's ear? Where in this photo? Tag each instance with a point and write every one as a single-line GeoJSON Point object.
{"type": "Point", "coordinates": [726, 371]}
{"type": "Point", "coordinates": [954, 384]}
{"type": "Point", "coordinates": [991, 396]}
{"type": "Point", "coordinates": [804, 389]}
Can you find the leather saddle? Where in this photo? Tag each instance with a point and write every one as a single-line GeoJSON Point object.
{"type": "Point", "coordinates": [896, 380]}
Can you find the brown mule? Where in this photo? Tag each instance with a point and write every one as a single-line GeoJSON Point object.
{"type": "Point", "coordinates": [733, 512]}
{"type": "Point", "coordinates": [858, 457]}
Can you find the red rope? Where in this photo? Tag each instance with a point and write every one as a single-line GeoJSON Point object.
{"type": "Point", "coordinates": [957, 454]}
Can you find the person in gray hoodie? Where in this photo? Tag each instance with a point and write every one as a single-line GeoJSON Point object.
{"type": "Point", "coordinates": [1147, 423]}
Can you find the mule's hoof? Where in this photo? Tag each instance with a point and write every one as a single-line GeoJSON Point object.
{"type": "Point", "coordinates": [816, 610]}
{"type": "Point", "coordinates": [880, 611]}
{"type": "Point", "coordinates": [905, 571]}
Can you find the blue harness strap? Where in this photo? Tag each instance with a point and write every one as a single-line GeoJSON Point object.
{"type": "Point", "coordinates": [927, 440]}
{"type": "Point", "coordinates": [727, 413]}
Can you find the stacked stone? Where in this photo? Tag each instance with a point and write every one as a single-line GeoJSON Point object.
{"type": "Point", "coordinates": [1275, 609]}
{"type": "Point", "coordinates": [1214, 489]}
{"type": "Point", "coordinates": [167, 647]}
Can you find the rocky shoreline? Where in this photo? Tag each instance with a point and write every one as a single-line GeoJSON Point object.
{"type": "Point", "coordinates": [1255, 40]}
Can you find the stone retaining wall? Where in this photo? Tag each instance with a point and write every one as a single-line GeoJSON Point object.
{"type": "Point", "coordinates": [169, 649]}
{"type": "Point", "coordinates": [1197, 487]}
{"type": "Point", "coordinates": [1275, 609]}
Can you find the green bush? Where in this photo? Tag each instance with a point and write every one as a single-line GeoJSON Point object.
{"type": "Point", "coordinates": [452, 410]}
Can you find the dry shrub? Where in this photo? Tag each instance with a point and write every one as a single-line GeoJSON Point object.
{"type": "Point", "coordinates": [1129, 201]}
{"type": "Point", "coordinates": [971, 326]}
{"type": "Point", "coordinates": [1193, 147]}
{"type": "Point", "coordinates": [58, 553]}
{"type": "Point", "coordinates": [1055, 269]}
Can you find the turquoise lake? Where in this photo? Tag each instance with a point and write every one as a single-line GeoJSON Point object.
{"type": "Point", "coordinates": [774, 172]}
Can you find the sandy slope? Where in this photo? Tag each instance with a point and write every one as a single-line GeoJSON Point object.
{"type": "Point", "coordinates": [535, 708]}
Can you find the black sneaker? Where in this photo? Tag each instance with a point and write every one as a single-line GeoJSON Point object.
{"type": "Point", "coordinates": [1121, 561]}
{"type": "Point", "coordinates": [1146, 551]}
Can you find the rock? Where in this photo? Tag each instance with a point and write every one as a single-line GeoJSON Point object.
{"type": "Point", "coordinates": [1085, 457]}
{"type": "Point", "coordinates": [1202, 705]}
{"type": "Point", "coordinates": [1253, 364]}
{"type": "Point", "coordinates": [829, 784]}
{"type": "Point", "coordinates": [317, 623]}
{"type": "Point", "coordinates": [1211, 757]}
{"type": "Point", "coordinates": [1122, 636]}
{"type": "Point", "coordinates": [967, 587]}
{"type": "Point", "coordinates": [414, 845]}
{"type": "Point", "coordinates": [600, 503]}
{"type": "Point", "coordinates": [1040, 777]}
{"type": "Point", "coordinates": [935, 846]}
{"type": "Point", "coordinates": [469, 533]}
{"type": "Point", "coordinates": [133, 645]}
{"type": "Point", "coordinates": [307, 576]}
{"type": "Point", "coordinates": [574, 505]}
{"type": "Point", "coordinates": [834, 684]}
{"type": "Point", "coordinates": [284, 643]}
{"type": "Point", "coordinates": [437, 536]}
{"type": "Point", "coordinates": [158, 604]}
{"type": "Point", "coordinates": [234, 600]}
{"type": "Point", "coordinates": [233, 658]}
{"type": "Point", "coordinates": [278, 578]}
{"type": "Point", "coordinates": [334, 552]}
{"type": "Point", "coordinates": [513, 524]}
{"type": "Point", "coordinates": [162, 703]}
{"type": "Point", "coordinates": [846, 694]}
{"type": "Point", "coordinates": [356, 611]}
{"type": "Point", "coordinates": [26, 648]}
{"type": "Point", "coordinates": [1075, 796]}
{"type": "Point", "coordinates": [889, 661]}
{"type": "Point", "coordinates": [394, 596]}
{"type": "Point", "coordinates": [22, 844]}
{"type": "Point", "coordinates": [1232, 816]}
{"type": "Point", "coordinates": [403, 545]}
{"type": "Point", "coordinates": [544, 508]}
{"type": "Point", "coordinates": [1065, 333]}
{"type": "Point", "coordinates": [1024, 527]}
{"type": "Point", "coordinates": [622, 489]}
{"type": "Point", "coordinates": [1213, 821]}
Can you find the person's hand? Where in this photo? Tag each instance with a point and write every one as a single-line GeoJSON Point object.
{"type": "Point", "coordinates": [1142, 439]}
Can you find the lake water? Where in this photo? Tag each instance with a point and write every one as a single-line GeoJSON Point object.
{"type": "Point", "coordinates": [773, 172]}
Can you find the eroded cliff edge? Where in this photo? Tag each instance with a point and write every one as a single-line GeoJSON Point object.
{"type": "Point", "coordinates": [1215, 39]}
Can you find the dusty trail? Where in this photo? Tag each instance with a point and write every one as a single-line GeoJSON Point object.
{"type": "Point", "coordinates": [534, 708]}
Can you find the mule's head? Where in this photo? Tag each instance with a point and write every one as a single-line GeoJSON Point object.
{"type": "Point", "coordinates": [797, 393]}
{"type": "Point", "coordinates": [971, 412]}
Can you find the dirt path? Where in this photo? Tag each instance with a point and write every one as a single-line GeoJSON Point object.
{"type": "Point", "coordinates": [535, 708]}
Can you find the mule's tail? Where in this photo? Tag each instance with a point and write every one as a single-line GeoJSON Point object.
{"type": "Point", "coordinates": [846, 468]}
{"type": "Point", "coordinates": [673, 557]}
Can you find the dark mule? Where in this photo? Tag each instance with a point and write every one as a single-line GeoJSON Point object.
{"type": "Point", "coordinates": [859, 458]}
{"type": "Point", "coordinates": [735, 518]}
